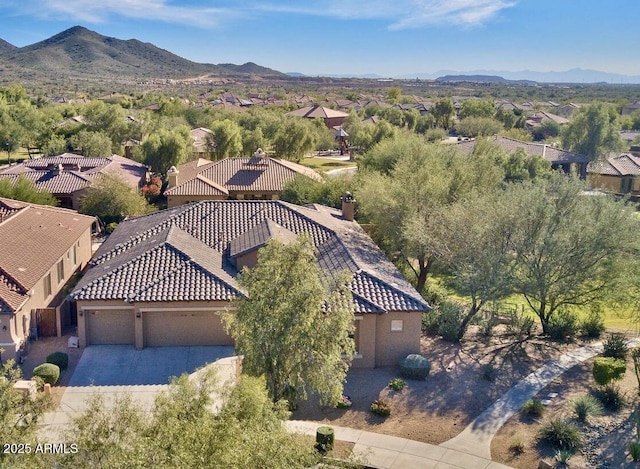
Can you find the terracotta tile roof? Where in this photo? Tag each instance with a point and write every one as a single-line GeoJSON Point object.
{"type": "Point", "coordinates": [183, 254]}
{"type": "Point", "coordinates": [621, 165]}
{"type": "Point", "coordinates": [237, 175]}
{"type": "Point", "coordinates": [317, 111]}
{"type": "Point", "coordinates": [32, 239]}
{"type": "Point", "coordinates": [549, 153]}
{"type": "Point", "coordinates": [66, 182]}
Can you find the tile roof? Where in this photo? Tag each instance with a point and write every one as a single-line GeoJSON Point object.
{"type": "Point", "coordinates": [184, 254]}
{"type": "Point", "coordinates": [549, 153]}
{"type": "Point", "coordinates": [317, 111]}
{"type": "Point", "coordinates": [243, 175]}
{"type": "Point", "coordinates": [621, 165]}
{"type": "Point", "coordinates": [68, 173]}
{"type": "Point", "coordinates": [32, 239]}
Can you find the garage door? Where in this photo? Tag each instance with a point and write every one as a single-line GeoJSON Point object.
{"type": "Point", "coordinates": [183, 328]}
{"type": "Point", "coordinates": [110, 327]}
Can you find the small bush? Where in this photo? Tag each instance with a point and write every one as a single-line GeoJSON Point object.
{"type": "Point", "coordinates": [561, 434]}
{"type": "Point", "coordinates": [414, 366]}
{"type": "Point", "coordinates": [521, 325]}
{"type": "Point", "coordinates": [563, 456]}
{"type": "Point", "coordinates": [48, 372]}
{"type": "Point", "coordinates": [516, 445]}
{"type": "Point", "coordinates": [429, 323]}
{"type": "Point", "coordinates": [449, 320]}
{"type": "Point", "coordinates": [610, 397]}
{"type": "Point", "coordinates": [634, 451]}
{"type": "Point", "coordinates": [59, 358]}
{"type": "Point", "coordinates": [344, 402]}
{"type": "Point", "coordinates": [586, 406]}
{"type": "Point", "coordinates": [616, 346]}
{"type": "Point", "coordinates": [592, 325]}
{"type": "Point", "coordinates": [397, 384]}
{"type": "Point", "coordinates": [381, 407]}
{"type": "Point", "coordinates": [563, 326]}
{"type": "Point", "coordinates": [111, 227]}
{"type": "Point", "coordinates": [607, 369]}
{"type": "Point", "coordinates": [533, 407]}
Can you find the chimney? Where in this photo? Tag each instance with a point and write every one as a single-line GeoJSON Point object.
{"type": "Point", "coordinates": [348, 206]}
{"type": "Point", "coordinates": [172, 175]}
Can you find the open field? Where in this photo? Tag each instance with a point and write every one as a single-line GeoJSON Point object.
{"type": "Point", "coordinates": [325, 164]}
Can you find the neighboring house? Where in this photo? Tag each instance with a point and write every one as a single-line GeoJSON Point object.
{"type": "Point", "coordinates": [618, 174]}
{"type": "Point", "coordinates": [538, 118]}
{"type": "Point", "coordinates": [68, 176]}
{"type": "Point", "coordinates": [331, 118]}
{"type": "Point", "coordinates": [41, 247]}
{"type": "Point", "coordinates": [630, 108]}
{"type": "Point", "coordinates": [560, 159]}
{"type": "Point", "coordinates": [257, 178]}
{"type": "Point", "coordinates": [164, 279]}
{"type": "Point", "coordinates": [202, 145]}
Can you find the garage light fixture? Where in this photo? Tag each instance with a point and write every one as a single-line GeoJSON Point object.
{"type": "Point", "coordinates": [138, 314]}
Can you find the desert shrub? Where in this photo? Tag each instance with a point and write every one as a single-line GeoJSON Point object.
{"type": "Point", "coordinates": [381, 407]}
{"type": "Point", "coordinates": [592, 325]}
{"type": "Point", "coordinates": [533, 407]}
{"type": "Point", "coordinates": [325, 438]}
{"type": "Point", "coordinates": [516, 444]}
{"type": "Point", "coordinates": [521, 324]}
{"type": "Point", "coordinates": [634, 451]}
{"type": "Point", "coordinates": [561, 434]}
{"type": "Point", "coordinates": [562, 456]}
{"type": "Point", "coordinates": [607, 369]}
{"type": "Point", "coordinates": [586, 406]}
{"type": "Point", "coordinates": [563, 325]}
{"type": "Point", "coordinates": [610, 397]}
{"type": "Point", "coordinates": [397, 384]}
{"type": "Point", "coordinates": [616, 346]}
{"type": "Point", "coordinates": [414, 366]}
{"type": "Point", "coordinates": [344, 402]}
{"type": "Point", "coordinates": [429, 323]}
{"type": "Point", "coordinates": [48, 372]}
{"type": "Point", "coordinates": [111, 227]}
{"type": "Point", "coordinates": [449, 320]}
{"type": "Point", "coordinates": [59, 358]}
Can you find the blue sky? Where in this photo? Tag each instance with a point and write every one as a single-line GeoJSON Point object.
{"type": "Point", "coordinates": [388, 38]}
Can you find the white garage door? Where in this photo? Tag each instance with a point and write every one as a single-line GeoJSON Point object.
{"type": "Point", "coordinates": [110, 327]}
{"type": "Point", "coordinates": [170, 328]}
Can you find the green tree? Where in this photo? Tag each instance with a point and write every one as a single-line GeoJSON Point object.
{"type": "Point", "coordinates": [593, 131]}
{"type": "Point", "coordinates": [406, 184]}
{"type": "Point", "coordinates": [112, 200]}
{"type": "Point", "coordinates": [166, 148]}
{"type": "Point", "coordinates": [294, 139]}
{"type": "Point", "coordinates": [477, 108]}
{"type": "Point", "coordinates": [110, 119]}
{"type": "Point", "coordinates": [25, 190]}
{"type": "Point", "coordinates": [91, 143]}
{"type": "Point", "coordinates": [479, 127]}
{"type": "Point", "coordinates": [19, 417]}
{"type": "Point", "coordinates": [393, 94]}
{"type": "Point", "coordinates": [302, 190]}
{"type": "Point", "coordinates": [226, 139]}
{"type": "Point", "coordinates": [570, 249]}
{"type": "Point", "coordinates": [183, 431]}
{"type": "Point", "coordinates": [294, 326]}
{"type": "Point", "coordinates": [252, 140]}
{"type": "Point", "coordinates": [443, 112]}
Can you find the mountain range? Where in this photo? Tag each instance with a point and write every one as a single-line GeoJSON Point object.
{"type": "Point", "coordinates": [83, 53]}
{"type": "Point", "coordinates": [80, 53]}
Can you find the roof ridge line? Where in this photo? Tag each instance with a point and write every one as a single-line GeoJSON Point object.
{"type": "Point", "coordinates": [366, 272]}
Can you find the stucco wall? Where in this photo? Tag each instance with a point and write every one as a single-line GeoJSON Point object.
{"type": "Point", "coordinates": [391, 346]}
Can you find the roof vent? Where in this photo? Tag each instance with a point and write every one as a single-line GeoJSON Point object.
{"type": "Point", "coordinates": [348, 206]}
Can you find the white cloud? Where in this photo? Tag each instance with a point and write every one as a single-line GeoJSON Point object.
{"type": "Point", "coordinates": [99, 11]}
{"type": "Point", "coordinates": [399, 14]}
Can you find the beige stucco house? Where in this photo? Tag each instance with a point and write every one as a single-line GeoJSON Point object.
{"type": "Point", "coordinates": [619, 174]}
{"type": "Point", "coordinates": [255, 178]}
{"type": "Point", "coordinates": [164, 278]}
{"type": "Point", "coordinates": [41, 247]}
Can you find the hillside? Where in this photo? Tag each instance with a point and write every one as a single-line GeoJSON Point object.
{"type": "Point", "coordinates": [80, 52]}
{"type": "Point", "coordinates": [5, 46]}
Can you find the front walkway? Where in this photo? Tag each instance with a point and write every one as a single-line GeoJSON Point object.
{"type": "Point", "coordinates": [471, 449]}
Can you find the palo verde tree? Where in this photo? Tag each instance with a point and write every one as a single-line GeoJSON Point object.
{"type": "Point", "coordinates": [294, 325]}
{"type": "Point", "coordinates": [593, 131]}
{"type": "Point", "coordinates": [166, 148]}
{"type": "Point", "coordinates": [569, 248]}
{"type": "Point", "coordinates": [25, 190]}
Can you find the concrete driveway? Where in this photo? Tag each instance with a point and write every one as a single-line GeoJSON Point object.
{"type": "Point", "coordinates": [123, 365]}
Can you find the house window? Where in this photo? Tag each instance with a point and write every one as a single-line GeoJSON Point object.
{"type": "Point", "coordinates": [397, 325]}
{"type": "Point", "coordinates": [47, 285]}
{"type": "Point", "coordinates": [60, 268]}
{"type": "Point", "coordinates": [74, 255]}
{"type": "Point", "coordinates": [625, 186]}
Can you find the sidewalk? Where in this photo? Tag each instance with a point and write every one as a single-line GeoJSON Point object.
{"type": "Point", "coordinates": [390, 452]}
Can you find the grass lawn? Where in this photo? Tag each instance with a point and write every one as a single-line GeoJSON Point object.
{"type": "Point", "coordinates": [326, 164]}
{"type": "Point", "coordinates": [21, 154]}
{"type": "Point", "coordinates": [615, 317]}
